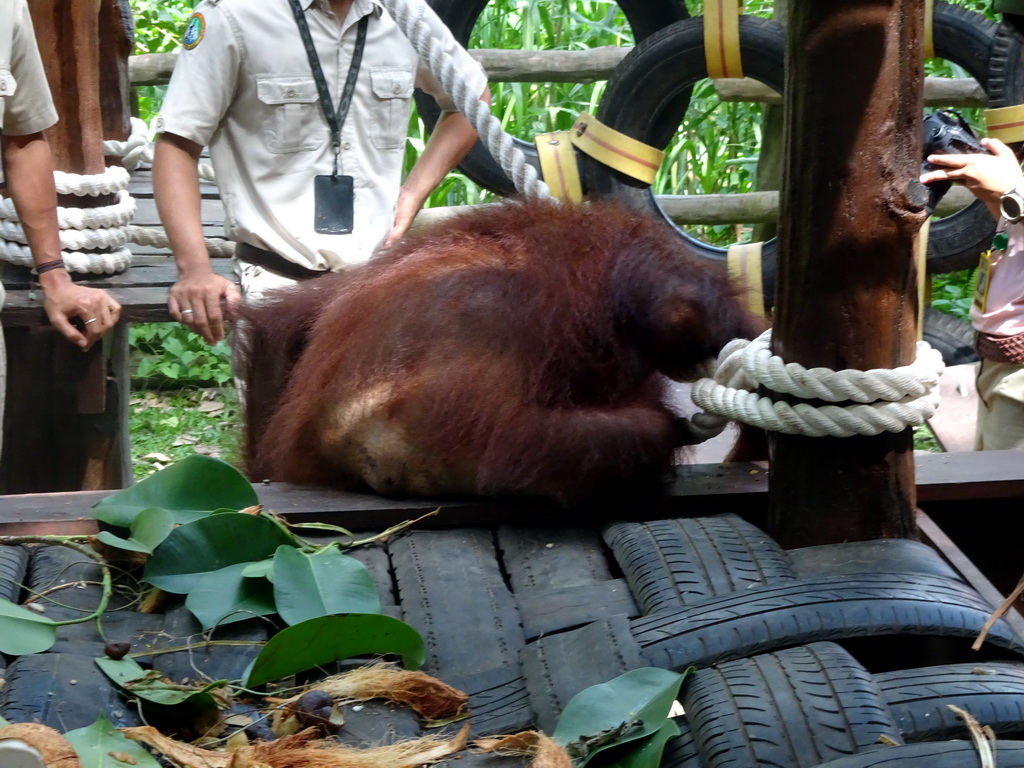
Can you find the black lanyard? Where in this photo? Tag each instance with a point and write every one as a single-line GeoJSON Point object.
{"type": "Point", "coordinates": [334, 120]}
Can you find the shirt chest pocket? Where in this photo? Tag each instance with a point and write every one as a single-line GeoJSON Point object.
{"type": "Point", "coordinates": [392, 91]}
{"type": "Point", "coordinates": [291, 114]}
{"type": "Point", "coordinates": [7, 87]}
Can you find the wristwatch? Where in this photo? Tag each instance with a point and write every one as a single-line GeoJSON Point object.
{"type": "Point", "coordinates": [1011, 205]}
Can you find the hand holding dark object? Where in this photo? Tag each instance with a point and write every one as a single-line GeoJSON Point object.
{"type": "Point", "coordinates": [946, 133]}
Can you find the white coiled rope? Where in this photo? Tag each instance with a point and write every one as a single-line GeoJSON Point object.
{"type": "Point", "coordinates": [83, 230]}
{"type": "Point", "coordinates": [79, 233]}
{"type": "Point", "coordinates": [885, 400]}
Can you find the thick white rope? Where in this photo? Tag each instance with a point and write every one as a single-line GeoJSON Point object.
{"type": "Point", "coordinates": [138, 150]}
{"type": "Point", "coordinates": [409, 15]}
{"type": "Point", "coordinates": [106, 227]}
{"type": "Point", "coordinates": [116, 215]}
{"type": "Point", "coordinates": [885, 400]}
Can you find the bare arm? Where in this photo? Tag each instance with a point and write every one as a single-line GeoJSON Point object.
{"type": "Point", "coordinates": [30, 177]}
{"type": "Point", "coordinates": [195, 299]}
{"type": "Point", "coordinates": [452, 138]}
{"type": "Point", "coordinates": [987, 176]}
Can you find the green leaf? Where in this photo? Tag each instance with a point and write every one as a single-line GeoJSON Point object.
{"type": "Point", "coordinates": [23, 631]}
{"type": "Point", "coordinates": [642, 753]}
{"type": "Point", "coordinates": [190, 489]}
{"type": "Point", "coordinates": [3, 721]}
{"type": "Point", "coordinates": [210, 544]}
{"type": "Point", "coordinates": [307, 586]}
{"type": "Point", "coordinates": [631, 706]}
{"type": "Point", "coordinates": [330, 638]}
{"type": "Point", "coordinates": [97, 744]}
{"type": "Point", "coordinates": [226, 596]}
{"type": "Point", "coordinates": [148, 685]}
{"type": "Point", "coordinates": [264, 569]}
{"type": "Point", "coordinates": [149, 528]}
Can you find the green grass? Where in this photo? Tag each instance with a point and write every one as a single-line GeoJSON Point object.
{"type": "Point", "coordinates": [167, 426]}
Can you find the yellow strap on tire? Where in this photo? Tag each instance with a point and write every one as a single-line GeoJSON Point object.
{"type": "Point", "coordinates": [922, 275]}
{"type": "Point", "coordinates": [1006, 123]}
{"type": "Point", "coordinates": [616, 150]}
{"type": "Point", "coordinates": [558, 165]}
{"type": "Point", "coordinates": [928, 44]}
{"type": "Point", "coordinates": [744, 263]}
{"type": "Point", "coordinates": [722, 38]}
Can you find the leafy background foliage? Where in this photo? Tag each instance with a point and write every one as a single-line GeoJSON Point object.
{"type": "Point", "coordinates": [185, 401]}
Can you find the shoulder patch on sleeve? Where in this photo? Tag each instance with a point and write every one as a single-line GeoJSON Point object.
{"type": "Point", "coordinates": [194, 31]}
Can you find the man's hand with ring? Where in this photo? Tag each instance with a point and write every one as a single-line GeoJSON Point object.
{"type": "Point", "coordinates": [201, 301]}
{"type": "Point", "coordinates": [65, 301]}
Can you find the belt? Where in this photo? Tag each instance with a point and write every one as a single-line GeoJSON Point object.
{"type": "Point", "coordinates": [1000, 349]}
{"type": "Point", "coordinates": [274, 262]}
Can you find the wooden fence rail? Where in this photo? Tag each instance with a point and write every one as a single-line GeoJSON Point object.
{"type": "Point", "coordinates": [506, 66]}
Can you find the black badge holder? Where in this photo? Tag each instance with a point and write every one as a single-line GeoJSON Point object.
{"type": "Point", "coordinates": [333, 195]}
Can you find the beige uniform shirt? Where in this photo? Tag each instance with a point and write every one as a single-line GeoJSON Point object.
{"type": "Point", "coordinates": [25, 103]}
{"type": "Point", "coordinates": [243, 86]}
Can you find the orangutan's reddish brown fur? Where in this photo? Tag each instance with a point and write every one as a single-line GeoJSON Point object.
{"type": "Point", "coordinates": [513, 350]}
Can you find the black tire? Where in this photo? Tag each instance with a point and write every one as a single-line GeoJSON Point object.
{"type": "Point", "coordinates": [452, 591]}
{"type": "Point", "coordinates": [673, 563]}
{"type": "Point", "coordinates": [498, 700]}
{"type": "Point", "coordinates": [644, 100]}
{"type": "Point", "coordinates": [795, 708]}
{"type": "Point", "coordinates": [559, 666]}
{"type": "Point", "coordinates": [951, 336]}
{"type": "Point", "coordinates": [966, 38]}
{"type": "Point", "coordinates": [540, 558]}
{"type": "Point", "coordinates": [13, 566]}
{"type": "Point", "coordinates": [767, 618]}
{"type": "Point", "coordinates": [217, 662]}
{"type": "Point", "coordinates": [641, 101]}
{"type": "Point", "coordinates": [943, 754]}
{"type": "Point", "coordinates": [876, 556]}
{"type": "Point", "coordinates": [644, 17]}
{"type": "Point", "coordinates": [681, 752]}
{"type": "Point", "coordinates": [919, 699]}
{"type": "Point", "coordinates": [1005, 68]}
{"type": "Point", "coordinates": [62, 690]}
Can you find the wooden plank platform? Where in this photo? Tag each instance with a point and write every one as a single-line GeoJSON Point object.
{"type": "Point", "coordinates": [141, 290]}
{"type": "Point", "coordinates": [695, 489]}
{"type": "Point", "coordinates": [700, 489]}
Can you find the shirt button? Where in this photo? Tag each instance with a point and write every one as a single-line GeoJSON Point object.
{"type": "Point", "coordinates": [290, 93]}
{"type": "Point", "coordinates": [397, 88]}
{"type": "Point", "coordinates": [347, 145]}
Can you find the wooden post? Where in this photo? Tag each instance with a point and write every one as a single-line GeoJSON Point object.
{"type": "Point", "coordinates": [851, 207]}
{"type": "Point", "coordinates": [65, 423]}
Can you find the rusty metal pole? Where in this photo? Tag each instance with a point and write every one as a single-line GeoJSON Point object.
{"type": "Point", "coordinates": [851, 208]}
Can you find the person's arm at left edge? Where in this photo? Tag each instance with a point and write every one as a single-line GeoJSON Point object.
{"type": "Point", "coordinates": [29, 168]}
{"type": "Point", "coordinates": [450, 141]}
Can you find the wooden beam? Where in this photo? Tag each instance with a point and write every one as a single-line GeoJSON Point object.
{"type": "Point", "coordinates": [693, 489]}
{"type": "Point", "coordinates": [935, 537]}
{"type": "Point", "coordinates": [511, 66]}
{"type": "Point", "coordinates": [846, 293]}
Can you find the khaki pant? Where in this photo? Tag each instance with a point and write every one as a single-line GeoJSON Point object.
{"type": "Point", "coordinates": [1000, 406]}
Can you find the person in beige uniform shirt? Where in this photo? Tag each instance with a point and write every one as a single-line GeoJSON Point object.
{"type": "Point", "coordinates": [997, 313]}
{"type": "Point", "coordinates": [26, 110]}
{"type": "Point", "coordinates": [244, 86]}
